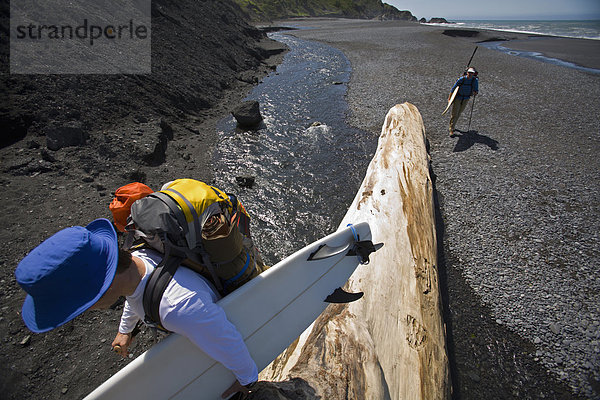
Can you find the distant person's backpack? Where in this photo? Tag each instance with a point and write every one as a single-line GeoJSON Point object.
{"type": "Point", "coordinates": [196, 225]}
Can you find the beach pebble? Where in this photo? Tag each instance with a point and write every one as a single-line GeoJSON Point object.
{"type": "Point", "coordinates": [474, 376]}
{"type": "Point", "coordinates": [558, 359]}
{"type": "Point", "coordinates": [26, 340]}
{"type": "Point", "coordinates": [245, 181]}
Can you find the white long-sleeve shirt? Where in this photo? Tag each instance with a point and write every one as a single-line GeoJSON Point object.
{"type": "Point", "coordinates": [188, 307]}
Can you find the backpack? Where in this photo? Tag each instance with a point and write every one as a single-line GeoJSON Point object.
{"type": "Point", "coordinates": [125, 196]}
{"type": "Point", "coordinates": [196, 225]}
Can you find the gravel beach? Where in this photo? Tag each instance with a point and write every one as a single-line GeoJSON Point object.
{"type": "Point", "coordinates": [517, 194]}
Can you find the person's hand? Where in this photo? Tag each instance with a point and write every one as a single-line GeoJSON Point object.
{"type": "Point", "coordinates": [475, 94]}
{"type": "Point", "coordinates": [234, 388]}
{"type": "Point", "coordinates": [121, 343]}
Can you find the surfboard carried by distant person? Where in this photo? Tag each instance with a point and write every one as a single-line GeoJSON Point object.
{"type": "Point", "coordinates": [270, 312]}
{"type": "Point", "coordinates": [451, 100]}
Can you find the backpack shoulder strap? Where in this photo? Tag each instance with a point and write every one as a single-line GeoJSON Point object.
{"type": "Point", "coordinates": [155, 288]}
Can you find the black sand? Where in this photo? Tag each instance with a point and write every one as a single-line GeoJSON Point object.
{"type": "Point", "coordinates": [518, 196]}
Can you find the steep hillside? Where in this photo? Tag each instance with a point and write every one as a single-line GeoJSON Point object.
{"type": "Point", "coordinates": [199, 50]}
{"type": "Point", "coordinates": [268, 10]}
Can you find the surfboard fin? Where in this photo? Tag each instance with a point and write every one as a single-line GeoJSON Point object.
{"type": "Point", "coordinates": [324, 251]}
{"type": "Point", "coordinates": [339, 295]}
{"type": "Point", "coordinates": [363, 248]}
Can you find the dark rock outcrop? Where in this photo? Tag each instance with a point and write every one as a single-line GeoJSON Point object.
{"type": "Point", "coordinates": [14, 127]}
{"type": "Point", "coordinates": [438, 20]}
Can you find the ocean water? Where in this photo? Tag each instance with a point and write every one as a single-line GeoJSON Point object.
{"type": "Point", "coordinates": [583, 29]}
{"type": "Point", "coordinates": [505, 48]}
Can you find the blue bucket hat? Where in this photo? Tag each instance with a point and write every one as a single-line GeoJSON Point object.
{"type": "Point", "coordinates": [67, 273]}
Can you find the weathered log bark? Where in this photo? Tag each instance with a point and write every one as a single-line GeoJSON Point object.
{"type": "Point", "coordinates": [391, 343]}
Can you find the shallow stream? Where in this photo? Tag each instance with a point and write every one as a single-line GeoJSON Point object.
{"type": "Point", "coordinates": [305, 176]}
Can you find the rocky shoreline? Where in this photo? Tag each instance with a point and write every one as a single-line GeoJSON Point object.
{"type": "Point", "coordinates": [516, 196]}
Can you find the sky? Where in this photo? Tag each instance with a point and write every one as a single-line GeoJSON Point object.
{"type": "Point", "coordinates": [500, 9]}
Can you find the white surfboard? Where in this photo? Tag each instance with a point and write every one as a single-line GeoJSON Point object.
{"type": "Point", "coordinates": [270, 312]}
{"type": "Point", "coordinates": [451, 100]}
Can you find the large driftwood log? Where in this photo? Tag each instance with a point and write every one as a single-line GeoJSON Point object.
{"type": "Point", "coordinates": [391, 343]}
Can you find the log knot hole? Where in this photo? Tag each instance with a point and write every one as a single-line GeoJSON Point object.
{"type": "Point", "coordinates": [416, 335]}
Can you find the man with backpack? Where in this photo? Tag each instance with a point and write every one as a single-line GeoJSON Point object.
{"type": "Point", "coordinates": [81, 268]}
{"type": "Point", "coordinates": [468, 85]}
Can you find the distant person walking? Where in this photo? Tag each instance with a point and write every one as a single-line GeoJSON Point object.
{"type": "Point", "coordinates": [468, 86]}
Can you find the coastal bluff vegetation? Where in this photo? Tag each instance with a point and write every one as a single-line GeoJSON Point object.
{"type": "Point", "coordinates": [269, 10]}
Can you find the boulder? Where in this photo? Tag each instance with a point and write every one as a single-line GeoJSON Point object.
{"type": "Point", "coordinates": [390, 344]}
{"type": "Point", "coordinates": [65, 135]}
{"type": "Point", "coordinates": [247, 114]}
{"type": "Point", "coordinates": [151, 141]}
